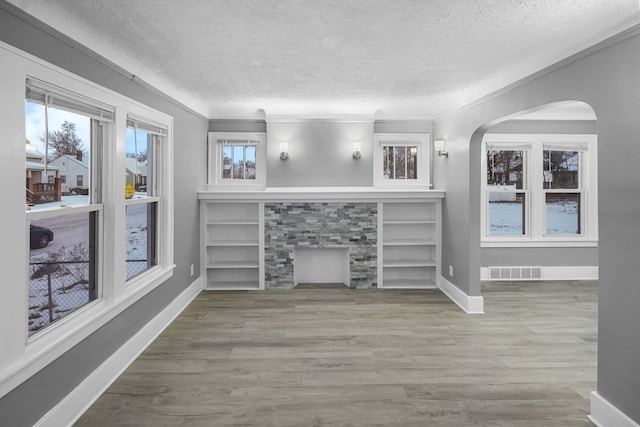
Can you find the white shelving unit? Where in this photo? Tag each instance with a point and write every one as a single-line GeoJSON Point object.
{"type": "Point", "coordinates": [233, 242]}
{"type": "Point", "coordinates": [409, 248]}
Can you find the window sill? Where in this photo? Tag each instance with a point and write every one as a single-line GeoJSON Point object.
{"type": "Point", "coordinates": [539, 244]}
{"type": "Point", "coordinates": [404, 185]}
{"type": "Point", "coordinates": [43, 348]}
{"type": "Point", "coordinates": [236, 187]}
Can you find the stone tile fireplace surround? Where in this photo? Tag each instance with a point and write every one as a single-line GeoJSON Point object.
{"type": "Point", "coordinates": [288, 226]}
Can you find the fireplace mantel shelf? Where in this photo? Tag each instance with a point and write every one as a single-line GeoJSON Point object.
{"type": "Point", "coordinates": [315, 194]}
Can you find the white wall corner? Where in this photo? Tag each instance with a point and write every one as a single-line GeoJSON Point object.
{"type": "Point", "coordinates": [76, 403]}
{"type": "Point", "coordinates": [469, 304]}
{"type": "Point", "coordinates": [604, 414]}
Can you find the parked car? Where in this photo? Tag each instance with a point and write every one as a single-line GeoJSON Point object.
{"type": "Point", "coordinates": [39, 237]}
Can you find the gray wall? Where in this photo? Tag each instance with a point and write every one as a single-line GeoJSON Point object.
{"type": "Point", "coordinates": [551, 257]}
{"type": "Point", "coordinates": [546, 126]}
{"type": "Point", "coordinates": [575, 256]}
{"type": "Point", "coordinates": [607, 77]}
{"type": "Point", "coordinates": [320, 150]}
{"type": "Point", "coordinates": [34, 398]}
{"type": "Point", "coordinates": [403, 126]}
{"type": "Point", "coordinates": [237, 125]}
{"type": "Point", "coordinates": [319, 154]}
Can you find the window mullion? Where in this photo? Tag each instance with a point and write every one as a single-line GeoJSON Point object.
{"type": "Point", "coordinates": [244, 162]}
{"type": "Point", "coordinates": [406, 169]}
{"type": "Point", "coordinates": [233, 163]}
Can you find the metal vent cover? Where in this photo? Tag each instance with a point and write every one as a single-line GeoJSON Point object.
{"type": "Point", "coordinates": [515, 273]}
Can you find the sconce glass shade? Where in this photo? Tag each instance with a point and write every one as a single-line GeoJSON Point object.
{"type": "Point", "coordinates": [357, 147]}
{"type": "Point", "coordinates": [440, 147]}
{"type": "Point", "coordinates": [284, 150]}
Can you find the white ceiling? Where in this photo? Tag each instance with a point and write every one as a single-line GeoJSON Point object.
{"type": "Point", "coordinates": [386, 58]}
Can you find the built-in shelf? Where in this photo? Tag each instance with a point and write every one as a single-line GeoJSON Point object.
{"type": "Point", "coordinates": [409, 284]}
{"type": "Point", "coordinates": [410, 221]}
{"type": "Point", "coordinates": [232, 222]}
{"type": "Point", "coordinates": [234, 286]}
{"type": "Point", "coordinates": [410, 249]}
{"type": "Point", "coordinates": [408, 263]}
{"type": "Point", "coordinates": [409, 242]}
{"type": "Point", "coordinates": [234, 264]}
{"type": "Point", "coordinates": [232, 255]}
{"type": "Point", "coordinates": [232, 243]}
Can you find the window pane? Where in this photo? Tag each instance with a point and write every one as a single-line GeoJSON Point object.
{"type": "Point", "coordinates": [251, 162]}
{"type": "Point", "coordinates": [400, 162]}
{"type": "Point", "coordinates": [560, 169]}
{"type": "Point", "coordinates": [139, 151]}
{"type": "Point", "coordinates": [505, 169]}
{"type": "Point", "coordinates": [400, 165]}
{"type": "Point", "coordinates": [563, 213]}
{"type": "Point", "coordinates": [66, 151]}
{"type": "Point", "coordinates": [61, 267]}
{"type": "Point", "coordinates": [227, 161]}
{"type": "Point", "coordinates": [238, 162]}
{"type": "Point", "coordinates": [389, 160]}
{"type": "Point", "coordinates": [141, 241]}
{"type": "Point", "coordinates": [506, 213]}
{"type": "Point", "coordinates": [412, 163]}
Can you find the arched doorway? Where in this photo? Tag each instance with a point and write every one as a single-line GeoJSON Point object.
{"type": "Point", "coordinates": [538, 195]}
{"type": "Point", "coordinates": [538, 244]}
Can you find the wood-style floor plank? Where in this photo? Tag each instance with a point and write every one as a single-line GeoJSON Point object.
{"type": "Point", "coordinates": [342, 357]}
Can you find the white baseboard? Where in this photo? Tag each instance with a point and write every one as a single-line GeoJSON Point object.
{"type": "Point", "coordinates": [470, 305]}
{"type": "Point", "coordinates": [69, 410]}
{"type": "Point", "coordinates": [581, 272]}
{"type": "Point", "coordinates": [604, 414]}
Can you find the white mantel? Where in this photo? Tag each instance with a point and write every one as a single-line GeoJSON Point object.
{"type": "Point", "coordinates": [391, 236]}
{"type": "Point", "coordinates": [322, 194]}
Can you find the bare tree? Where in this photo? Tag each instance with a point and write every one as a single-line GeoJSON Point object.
{"type": "Point", "coordinates": [142, 156]}
{"type": "Point", "coordinates": [65, 141]}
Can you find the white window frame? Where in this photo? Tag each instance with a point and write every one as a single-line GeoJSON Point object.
{"type": "Point", "coordinates": [159, 132]}
{"type": "Point", "coordinates": [535, 209]}
{"type": "Point", "coordinates": [420, 140]}
{"type": "Point", "coordinates": [101, 132]}
{"type": "Point", "coordinates": [215, 157]}
{"type": "Point", "coordinates": [22, 356]}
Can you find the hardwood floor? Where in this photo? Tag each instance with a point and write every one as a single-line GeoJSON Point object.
{"type": "Point", "coordinates": [341, 357]}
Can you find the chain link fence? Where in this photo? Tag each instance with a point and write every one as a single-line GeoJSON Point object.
{"type": "Point", "coordinates": [56, 290]}
{"type": "Point", "coordinates": [59, 288]}
{"type": "Point", "coordinates": [136, 266]}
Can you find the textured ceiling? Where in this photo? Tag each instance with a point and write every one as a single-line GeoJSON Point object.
{"type": "Point", "coordinates": [388, 58]}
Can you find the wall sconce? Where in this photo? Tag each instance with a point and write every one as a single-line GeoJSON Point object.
{"type": "Point", "coordinates": [357, 147]}
{"type": "Point", "coordinates": [284, 150]}
{"type": "Point", "coordinates": [440, 147]}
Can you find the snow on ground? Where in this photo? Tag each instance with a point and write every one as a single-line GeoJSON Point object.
{"type": "Point", "coordinates": [136, 239]}
{"type": "Point", "coordinates": [506, 218]}
{"type": "Point", "coordinates": [67, 259]}
{"type": "Point", "coordinates": [563, 217]}
{"type": "Point", "coordinates": [66, 201]}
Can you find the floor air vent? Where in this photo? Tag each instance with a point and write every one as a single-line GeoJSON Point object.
{"type": "Point", "coordinates": [515, 273]}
